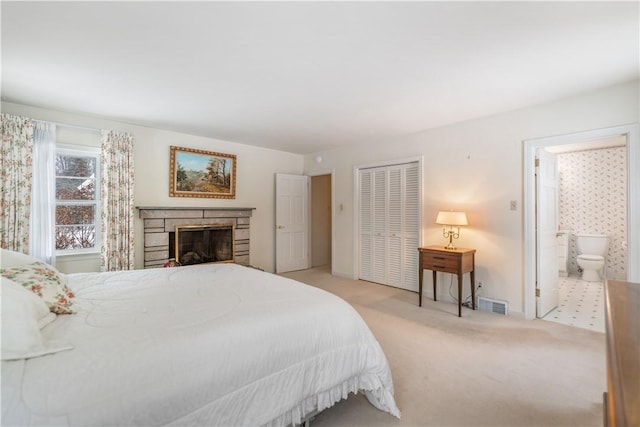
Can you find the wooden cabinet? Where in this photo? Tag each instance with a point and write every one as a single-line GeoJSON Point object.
{"type": "Point", "coordinates": [622, 321]}
{"type": "Point", "coordinates": [455, 261]}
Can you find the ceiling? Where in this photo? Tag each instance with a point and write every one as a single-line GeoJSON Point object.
{"type": "Point", "coordinates": [305, 77]}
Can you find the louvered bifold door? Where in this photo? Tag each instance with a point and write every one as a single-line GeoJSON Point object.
{"type": "Point", "coordinates": [411, 226]}
{"type": "Point", "coordinates": [389, 219]}
{"type": "Point", "coordinates": [366, 225]}
{"type": "Point", "coordinates": [394, 227]}
{"type": "Point", "coordinates": [380, 206]}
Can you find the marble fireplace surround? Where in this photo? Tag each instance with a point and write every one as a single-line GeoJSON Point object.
{"type": "Point", "coordinates": [158, 222]}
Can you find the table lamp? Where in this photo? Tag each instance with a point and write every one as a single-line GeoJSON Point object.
{"type": "Point", "coordinates": [451, 219]}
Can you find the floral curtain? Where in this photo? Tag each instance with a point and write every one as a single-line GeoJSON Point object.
{"type": "Point", "coordinates": [16, 170]}
{"type": "Point", "coordinates": [43, 207]}
{"type": "Point", "coordinates": [117, 213]}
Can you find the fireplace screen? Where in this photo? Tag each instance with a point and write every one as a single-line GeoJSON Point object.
{"type": "Point", "coordinates": [197, 244]}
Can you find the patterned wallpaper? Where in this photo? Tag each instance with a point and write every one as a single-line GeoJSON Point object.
{"type": "Point", "coordinates": [593, 200]}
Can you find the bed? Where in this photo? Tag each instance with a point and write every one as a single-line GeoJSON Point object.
{"type": "Point", "coordinates": [211, 344]}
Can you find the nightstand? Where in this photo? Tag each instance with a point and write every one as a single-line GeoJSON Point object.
{"type": "Point", "coordinates": [455, 261]}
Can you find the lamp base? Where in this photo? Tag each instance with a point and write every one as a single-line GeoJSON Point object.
{"type": "Point", "coordinates": [451, 236]}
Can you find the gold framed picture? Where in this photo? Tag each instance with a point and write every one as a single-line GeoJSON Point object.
{"type": "Point", "coordinates": [199, 173]}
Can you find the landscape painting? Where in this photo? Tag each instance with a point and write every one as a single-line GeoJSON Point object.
{"type": "Point", "coordinates": [199, 173]}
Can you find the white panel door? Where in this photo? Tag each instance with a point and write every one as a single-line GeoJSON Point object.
{"type": "Point", "coordinates": [548, 295]}
{"type": "Point", "coordinates": [292, 222]}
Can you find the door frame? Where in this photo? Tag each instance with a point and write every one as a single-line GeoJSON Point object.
{"type": "Point", "coordinates": [356, 203]}
{"type": "Point", "coordinates": [331, 172]}
{"type": "Point", "coordinates": [632, 133]}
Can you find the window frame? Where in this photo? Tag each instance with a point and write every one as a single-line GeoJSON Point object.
{"type": "Point", "coordinates": [82, 151]}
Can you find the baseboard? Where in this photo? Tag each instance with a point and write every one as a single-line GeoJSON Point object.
{"type": "Point", "coordinates": [343, 275]}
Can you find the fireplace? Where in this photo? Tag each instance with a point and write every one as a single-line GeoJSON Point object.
{"type": "Point", "coordinates": [159, 226]}
{"type": "Point", "coordinates": [198, 244]}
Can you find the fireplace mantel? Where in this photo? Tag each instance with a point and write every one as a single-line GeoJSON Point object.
{"type": "Point", "coordinates": [182, 208]}
{"type": "Point", "coordinates": [160, 221]}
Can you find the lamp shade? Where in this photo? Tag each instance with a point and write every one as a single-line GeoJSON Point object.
{"type": "Point", "coordinates": [451, 218]}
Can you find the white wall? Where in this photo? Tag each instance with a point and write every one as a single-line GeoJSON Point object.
{"type": "Point", "coordinates": [255, 185]}
{"type": "Point", "coordinates": [476, 166]}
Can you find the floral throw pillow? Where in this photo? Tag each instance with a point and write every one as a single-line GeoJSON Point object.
{"type": "Point", "coordinates": [44, 281]}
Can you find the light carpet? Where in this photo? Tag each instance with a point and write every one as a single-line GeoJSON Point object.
{"type": "Point", "coordinates": [483, 369]}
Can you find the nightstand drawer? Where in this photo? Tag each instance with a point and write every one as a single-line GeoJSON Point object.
{"type": "Point", "coordinates": [440, 262]}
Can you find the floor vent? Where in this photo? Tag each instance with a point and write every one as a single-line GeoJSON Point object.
{"type": "Point", "coordinates": [493, 305]}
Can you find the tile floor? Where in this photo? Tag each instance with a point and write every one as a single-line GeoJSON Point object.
{"type": "Point", "coordinates": [581, 304]}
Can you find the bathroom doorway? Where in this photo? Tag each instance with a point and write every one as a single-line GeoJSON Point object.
{"type": "Point", "coordinates": [591, 200]}
{"type": "Point", "coordinates": [569, 143]}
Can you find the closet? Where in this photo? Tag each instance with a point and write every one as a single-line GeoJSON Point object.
{"type": "Point", "coordinates": [389, 224]}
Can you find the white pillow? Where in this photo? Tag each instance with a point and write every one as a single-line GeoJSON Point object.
{"type": "Point", "coordinates": [23, 314]}
{"type": "Point", "coordinates": [46, 282]}
{"type": "Point", "coordinates": [11, 259]}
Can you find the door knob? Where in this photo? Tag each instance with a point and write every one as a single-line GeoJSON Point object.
{"type": "Point", "coordinates": [279, 227]}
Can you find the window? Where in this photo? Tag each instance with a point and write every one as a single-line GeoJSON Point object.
{"type": "Point", "coordinates": [77, 199]}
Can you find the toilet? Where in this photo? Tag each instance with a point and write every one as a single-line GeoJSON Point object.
{"type": "Point", "coordinates": [592, 248]}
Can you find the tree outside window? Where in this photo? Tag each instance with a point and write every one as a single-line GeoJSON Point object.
{"type": "Point", "coordinates": [76, 201]}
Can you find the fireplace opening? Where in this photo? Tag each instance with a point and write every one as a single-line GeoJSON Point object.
{"type": "Point", "coordinates": [198, 244]}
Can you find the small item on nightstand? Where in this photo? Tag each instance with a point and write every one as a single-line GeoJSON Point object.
{"type": "Point", "coordinates": [171, 263]}
{"type": "Point", "coordinates": [451, 218]}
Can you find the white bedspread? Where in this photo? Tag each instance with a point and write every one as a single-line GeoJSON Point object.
{"type": "Point", "coordinates": [215, 344]}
